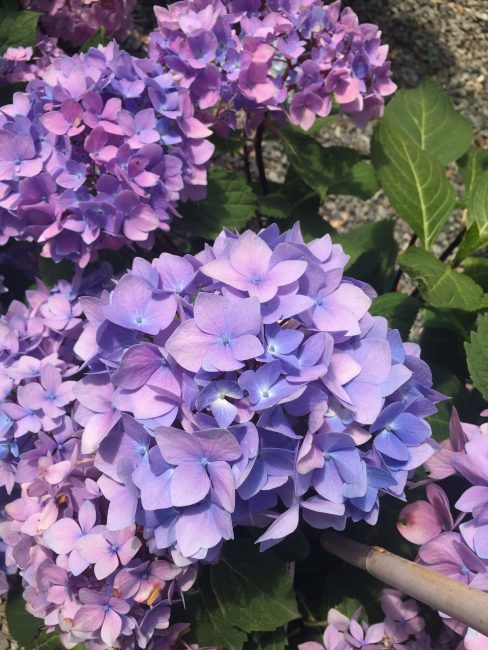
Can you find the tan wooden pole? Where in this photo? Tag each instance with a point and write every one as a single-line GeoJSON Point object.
{"type": "Point", "coordinates": [465, 604]}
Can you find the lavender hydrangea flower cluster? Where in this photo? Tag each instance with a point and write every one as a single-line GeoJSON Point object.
{"type": "Point", "coordinates": [277, 58]}
{"type": "Point", "coordinates": [97, 153]}
{"type": "Point", "coordinates": [20, 64]}
{"type": "Point", "coordinates": [245, 385]}
{"type": "Point", "coordinates": [403, 628]}
{"type": "Point", "coordinates": [454, 546]}
{"type": "Point", "coordinates": [75, 21]}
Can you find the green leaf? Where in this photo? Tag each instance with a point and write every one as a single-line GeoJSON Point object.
{"type": "Point", "coordinates": [22, 626]}
{"type": "Point", "coordinates": [445, 382]}
{"type": "Point", "coordinates": [276, 206]}
{"type": "Point", "coordinates": [307, 158]}
{"type": "Point", "coordinates": [230, 144]}
{"type": "Point", "coordinates": [373, 251]}
{"type": "Point", "coordinates": [51, 272]}
{"type": "Point", "coordinates": [52, 642]}
{"type": "Point", "coordinates": [320, 123]}
{"type": "Point", "coordinates": [400, 310]}
{"type": "Point", "coordinates": [272, 640]}
{"type": "Point", "coordinates": [253, 589]}
{"type": "Point", "coordinates": [98, 38]}
{"type": "Point", "coordinates": [425, 116]}
{"type": "Point", "coordinates": [328, 170]}
{"type": "Point", "coordinates": [230, 203]}
{"type": "Point", "coordinates": [414, 181]}
{"type": "Point", "coordinates": [477, 356]}
{"type": "Point", "coordinates": [440, 285]}
{"type": "Point", "coordinates": [293, 548]}
{"type": "Point", "coordinates": [209, 626]}
{"type": "Point", "coordinates": [477, 205]}
{"type": "Point", "coordinates": [477, 269]}
{"type": "Point", "coordinates": [359, 179]}
{"type": "Point", "coordinates": [18, 28]}
{"type": "Point", "coordinates": [471, 166]}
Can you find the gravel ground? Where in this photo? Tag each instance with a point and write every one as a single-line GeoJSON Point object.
{"type": "Point", "coordinates": [444, 40]}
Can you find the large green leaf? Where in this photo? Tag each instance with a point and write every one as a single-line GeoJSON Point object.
{"type": "Point", "coordinates": [253, 589]}
{"type": "Point", "coordinates": [272, 640]}
{"type": "Point", "coordinates": [400, 310]}
{"type": "Point", "coordinates": [230, 203]}
{"type": "Point", "coordinates": [373, 250]}
{"type": "Point", "coordinates": [209, 626]}
{"type": "Point", "coordinates": [477, 269]}
{"type": "Point", "coordinates": [22, 626]}
{"type": "Point", "coordinates": [440, 285]}
{"type": "Point", "coordinates": [414, 181]}
{"type": "Point", "coordinates": [328, 170]}
{"type": "Point", "coordinates": [18, 28]}
{"type": "Point", "coordinates": [477, 354]}
{"type": "Point", "coordinates": [472, 165]}
{"type": "Point", "coordinates": [426, 117]}
{"type": "Point", "coordinates": [477, 204]}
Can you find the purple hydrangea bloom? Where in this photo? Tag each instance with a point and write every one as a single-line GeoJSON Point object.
{"type": "Point", "coordinates": [87, 161]}
{"type": "Point", "coordinates": [75, 21]}
{"type": "Point", "coordinates": [180, 402]}
{"type": "Point", "coordinates": [284, 59]}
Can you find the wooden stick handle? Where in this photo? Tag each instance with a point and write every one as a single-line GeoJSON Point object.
{"type": "Point", "coordinates": [465, 604]}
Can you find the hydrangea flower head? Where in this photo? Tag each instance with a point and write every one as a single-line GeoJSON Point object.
{"type": "Point", "coordinates": [97, 153]}
{"type": "Point", "coordinates": [75, 21]}
{"type": "Point", "coordinates": [283, 59]}
{"type": "Point", "coordinates": [192, 396]}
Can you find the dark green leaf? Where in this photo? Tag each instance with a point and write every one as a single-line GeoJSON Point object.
{"type": "Point", "coordinates": [471, 166]}
{"type": "Point", "coordinates": [477, 354]}
{"type": "Point", "coordinates": [276, 206]}
{"type": "Point", "coordinates": [97, 39]}
{"type": "Point", "coordinates": [293, 548]}
{"type": "Point", "coordinates": [414, 181]}
{"type": "Point", "coordinates": [400, 310]}
{"type": "Point", "coordinates": [307, 157]}
{"type": "Point", "coordinates": [253, 589]}
{"type": "Point", "coordinates": [320, 123]}
{"type": "Point", "coordinates": [7, 92]}
{"type": "Point", "coordinates": [209, 626]}
{"type": "Point", "coordinates": [305, 207]}
{"type": "Point", "coordinates": [51, 272]}
{"type": "Point", "coordinates": [22, 626]}
{"type": "Point", "coordinates": [440, 285]}
{"type": "Point", "coordinates": [272, 640]}
{"type": "Point", "coordinates": [230, 203]}
{"type": "Point", "coordinates": [230, 144]}
{"type": "Point", "coordinates": [372, 250]}
{"type": "Point", "coordinates": [445, 382]}
{"type": "Point", "coordinates": [18, 29]}
{"type": "Point", "coordinates": [328, 170]}
{"type": "Point", "coordinates": [7, 6]}
{"type": "Point", "coordinates": [426, 117]}
{"type": "Point", "coordinates": [52, 642]}
{"type": "Point", "coordinates": [358, 180]}
{"type": "Point", "coordinates": [477, 269]}
{"type": "Point", "coordinates": [478, 215]}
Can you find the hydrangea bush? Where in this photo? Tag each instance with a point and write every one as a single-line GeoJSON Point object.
{"type": "Point", "coordinates": [187, 404]}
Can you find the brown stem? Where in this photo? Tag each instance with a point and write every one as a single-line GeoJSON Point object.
{"type": "Point", "coordinates": [258, 148]}
{"type": "Point", "coordinates": [461, 602]}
